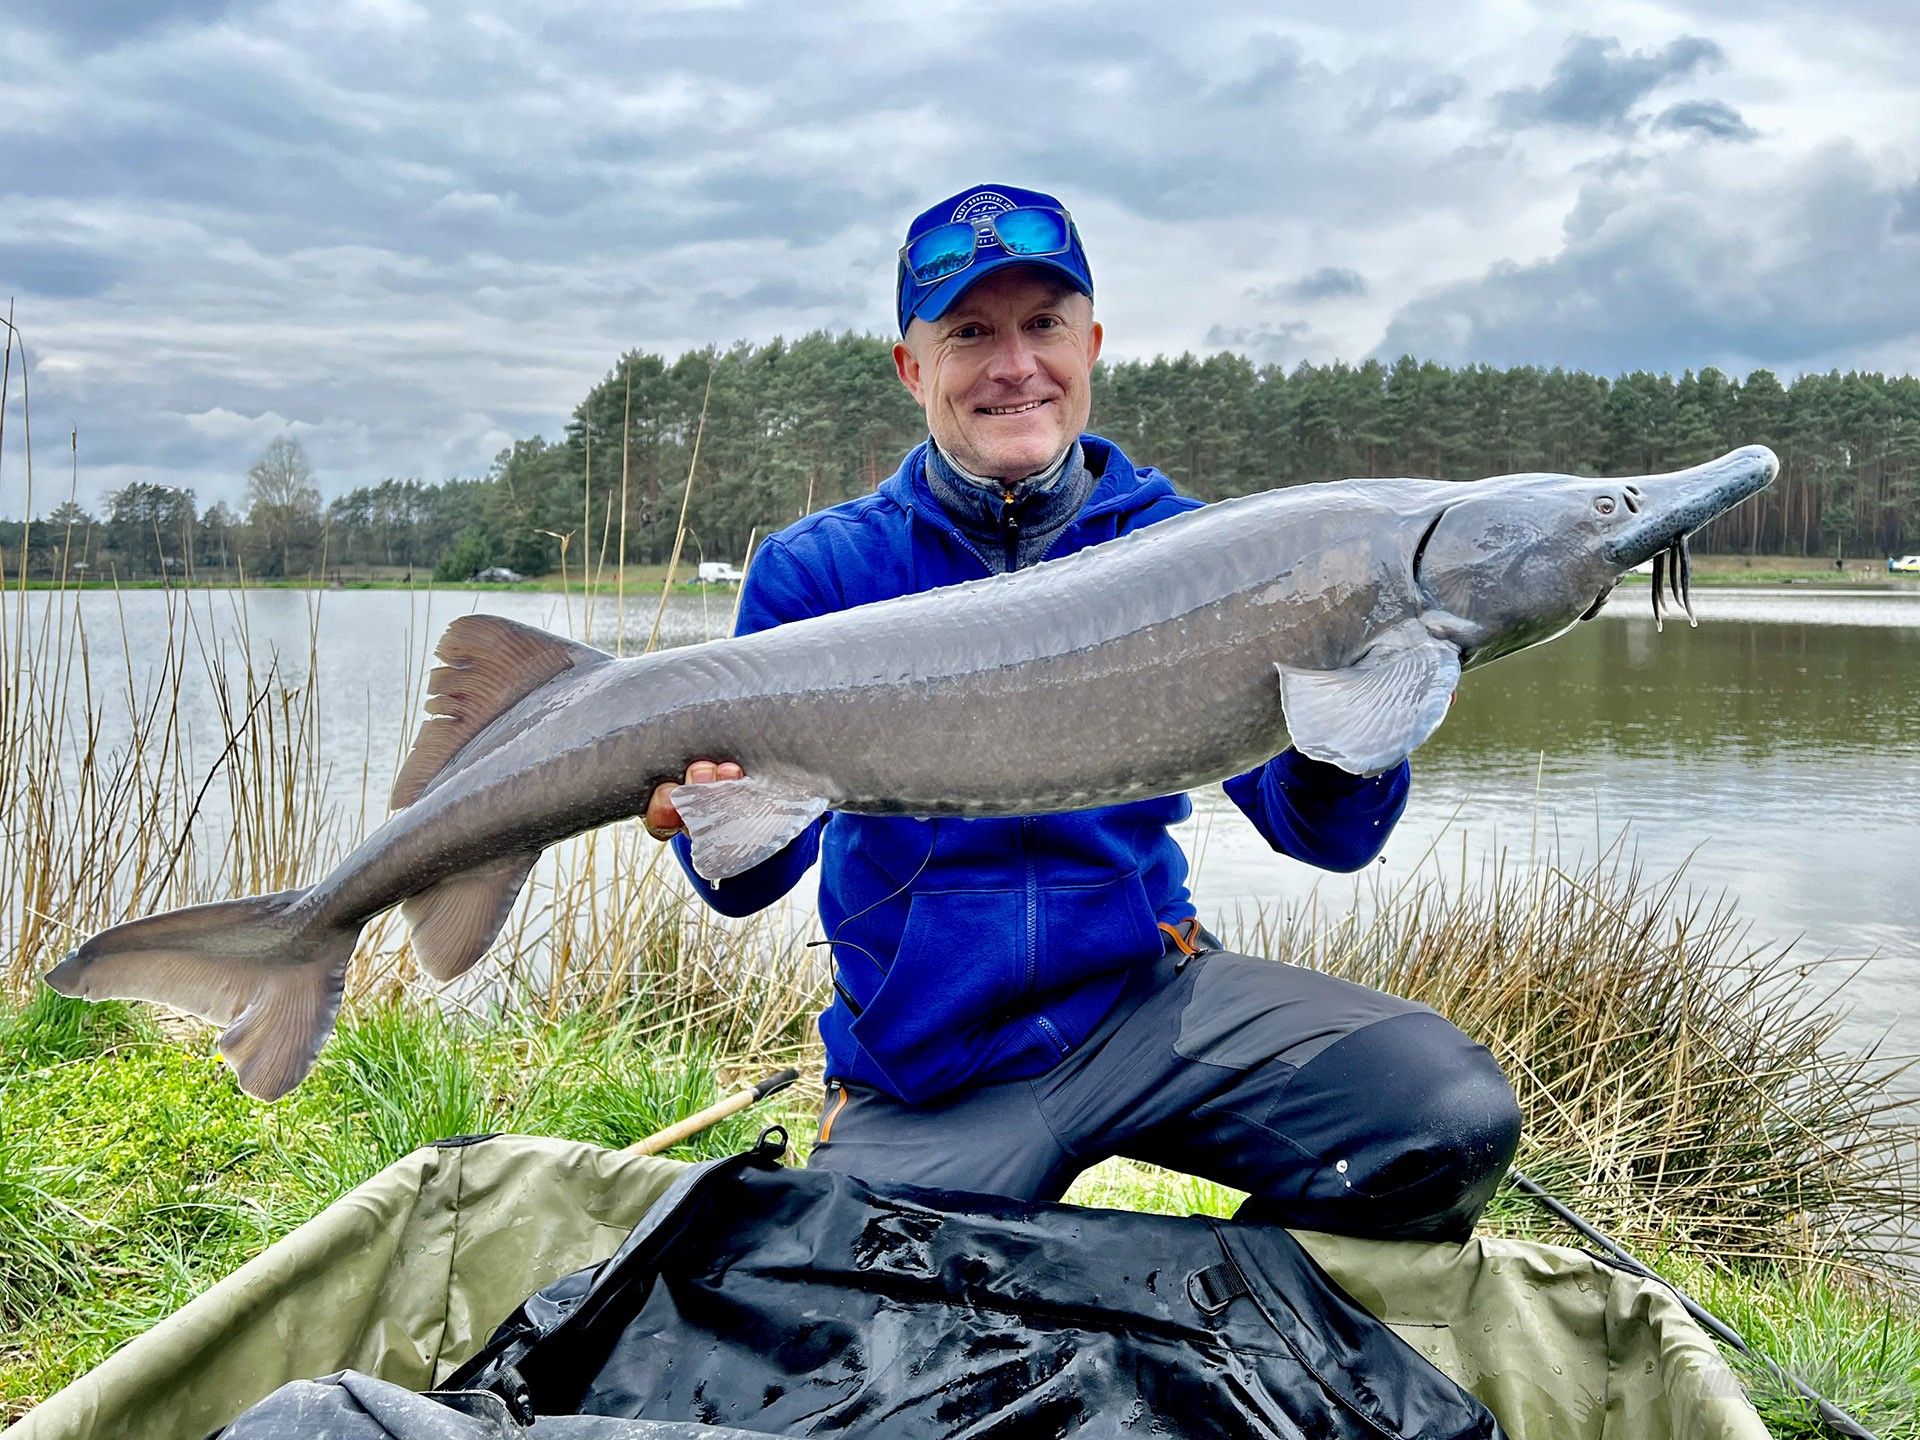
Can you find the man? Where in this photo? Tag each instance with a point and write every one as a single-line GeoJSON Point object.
{"type": "Point", "coordinates": [1017, 999]}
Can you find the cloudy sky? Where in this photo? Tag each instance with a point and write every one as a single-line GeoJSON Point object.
{"type": "Point", "coordinates": [407, 234]}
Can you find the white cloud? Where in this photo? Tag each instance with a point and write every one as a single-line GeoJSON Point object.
{"type": "Point", "coordinates": [412, 232]}
{"type": "Point", "coordinates": [221, 423]}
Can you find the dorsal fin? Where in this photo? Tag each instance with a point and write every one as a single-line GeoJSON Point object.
{"type": "Point", "coordinates": [491, 665]}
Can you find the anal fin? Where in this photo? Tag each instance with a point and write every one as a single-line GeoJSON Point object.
{"type": "Point", "coordinates": [1371, 715]}
{"type": "Point", "coordinates": [736, 824]}
{"type": "Point", "coordinates": [455, 922]}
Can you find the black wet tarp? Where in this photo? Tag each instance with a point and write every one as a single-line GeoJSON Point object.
{"type": "Point", "coordinates": [794, 1302]}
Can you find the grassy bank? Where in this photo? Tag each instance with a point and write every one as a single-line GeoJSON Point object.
{"type": "Point", "coordinates": [133, 1175]}
{"type": "Point", "coordinates": [1711, 570]}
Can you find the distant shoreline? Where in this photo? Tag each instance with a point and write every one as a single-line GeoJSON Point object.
{"type": "Point", "coordinates": [545, 585]}
{"type": "Point", "coordinates": [1708, 571]}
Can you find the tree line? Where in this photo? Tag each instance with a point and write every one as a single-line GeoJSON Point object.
{"type": "Point", "coordinates": [770, 432]}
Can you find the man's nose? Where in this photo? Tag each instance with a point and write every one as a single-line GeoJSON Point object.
{"type": "Point", "coordinates": [1012, 359]}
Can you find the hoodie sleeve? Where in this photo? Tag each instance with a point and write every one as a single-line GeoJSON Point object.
{"type": "Point", "coordinates": [1312, 811]}
{"type": "Point", "coordinates": [777, 589]}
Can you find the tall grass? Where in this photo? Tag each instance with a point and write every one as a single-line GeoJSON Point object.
{"type": "Point", "coordinates": [1678, 1078]}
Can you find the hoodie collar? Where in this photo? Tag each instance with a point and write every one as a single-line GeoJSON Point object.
{"type": "Point", "coordinates": [1119, 486]}
{"type": "Point", "coordinates": [1013, 524]}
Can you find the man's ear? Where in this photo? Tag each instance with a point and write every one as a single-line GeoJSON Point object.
{"type": "Point", "coordinates": [906, 365]}
{"type": "Point", "coordinates": [1095, 337]}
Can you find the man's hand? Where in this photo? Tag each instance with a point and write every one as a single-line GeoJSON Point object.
{"type": "Point", "coordinates": [662, 820]}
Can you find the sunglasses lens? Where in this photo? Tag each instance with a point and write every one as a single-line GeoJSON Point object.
{"type": "Point", "coordinates": [1032, 232]}
{"type": "Point", "coordinates": [940, 252]}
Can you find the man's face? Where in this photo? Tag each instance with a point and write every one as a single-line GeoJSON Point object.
{"type": "Point", "coordinates": [1004, 376]}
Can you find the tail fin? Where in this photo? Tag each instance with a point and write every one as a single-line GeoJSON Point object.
{"type": "Point", "coordinates": [249, 965]}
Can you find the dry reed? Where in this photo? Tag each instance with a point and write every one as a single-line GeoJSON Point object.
{"type": "Point", "coordinates": [1681, 1082]}
{"type": "Point", "coordinates": [112, 809]}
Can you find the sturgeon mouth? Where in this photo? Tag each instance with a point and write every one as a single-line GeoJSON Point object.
{"type": "Point", "coordinates": [1673, 571]}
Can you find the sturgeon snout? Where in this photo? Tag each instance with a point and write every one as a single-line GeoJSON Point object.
{"type": "Point", "coordinates": [1671, 507]}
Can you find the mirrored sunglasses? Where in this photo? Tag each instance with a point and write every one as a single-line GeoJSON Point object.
{"type": "Point", "coordinates": [948, 249]}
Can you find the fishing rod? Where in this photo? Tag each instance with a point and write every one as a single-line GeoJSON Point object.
{"type": "Point", "coordinates": [713, 1114]}
{"type": "Point", "coordinates": [1830, 1414]}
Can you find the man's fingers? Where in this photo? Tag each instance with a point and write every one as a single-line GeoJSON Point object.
{"type": "Point", "coordinates": [661, 819]}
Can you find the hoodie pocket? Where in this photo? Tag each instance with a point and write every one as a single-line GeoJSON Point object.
{"type": "Point", "coordinates": [956, 975]}
{"type": "Point", "coordinates": [1093, 930]}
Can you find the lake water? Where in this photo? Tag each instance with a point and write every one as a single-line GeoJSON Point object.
{"type": "Point", "coordinates": [1774, 752]}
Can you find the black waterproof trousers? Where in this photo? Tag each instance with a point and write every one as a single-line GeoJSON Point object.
{"type": "Point", "coordinates": [1337, 1107]}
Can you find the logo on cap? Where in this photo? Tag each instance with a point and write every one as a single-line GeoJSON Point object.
{"type": "Point", "coordinates": [981, 204]}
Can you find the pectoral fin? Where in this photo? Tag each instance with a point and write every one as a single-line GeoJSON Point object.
{"type": "Point", "coordinates": [1370, 716]}
{"type": "Point", "coordinates": [735, 824]}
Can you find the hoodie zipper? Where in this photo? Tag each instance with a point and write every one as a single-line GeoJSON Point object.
{"type": "Point", "coordinates": [1028, 824]}
{"type": "Point", "coordinates": [932, 514]}
{"type": "Point", "coordinates": [1010, 526]}
{"type": "Point", "coordinates": [1029, 828]}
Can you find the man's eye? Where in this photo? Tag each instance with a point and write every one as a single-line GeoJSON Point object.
{"type": "Point", "coordinates": [968, 332]}
{"type": "Point", "coordinates": [1046, 322]}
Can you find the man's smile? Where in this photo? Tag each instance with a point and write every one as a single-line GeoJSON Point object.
{"type": "Point", "coordinates": [1010, 409]}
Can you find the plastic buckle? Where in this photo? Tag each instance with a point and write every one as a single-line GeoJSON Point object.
{"type": "Point", "coordinates": [1213, 1289]}
{"type": "Point", "coordinates": [511, 1386]}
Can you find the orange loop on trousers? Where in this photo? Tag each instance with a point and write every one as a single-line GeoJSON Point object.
{"type": "Point", "coordinates": [1184, 934]}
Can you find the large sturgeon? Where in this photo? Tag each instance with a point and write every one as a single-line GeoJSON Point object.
{"type": "Point", "coordinates": [1337, 617]}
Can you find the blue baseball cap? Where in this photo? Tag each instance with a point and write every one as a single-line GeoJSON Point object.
{"type": "Point", "coordinates": [984, 228]}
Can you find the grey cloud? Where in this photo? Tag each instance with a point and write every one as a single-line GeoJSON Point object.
{"type": "Point", "coordinates": [53, 270]}
{"type": "Point", "coordinates": [1264, 344]}
{"type": "Point", "coordinates": [1281, 66]}
{"type": "Point", "coordinates": [789, 296]}
{"type": "Point", "coordinates": [1421, 99]}
{"type": "Point", "coordinates": [1428, 100]}
{"type": "Point", "coordinates": [1906, 209]}
{"type": "Point", "coordinates": [101, 24]}
{"type": "Point", "coordinates": [1714, 119]}
{"type": "Point", "coordinates": [1792, 270]}
{"type": "Point", "coordinates": [1595, 84]}
{"type": "Point", "coordinates": [1330, 282]}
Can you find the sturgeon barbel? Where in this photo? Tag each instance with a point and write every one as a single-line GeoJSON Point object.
{"type": "Point", "coordinates": [1335, 617]}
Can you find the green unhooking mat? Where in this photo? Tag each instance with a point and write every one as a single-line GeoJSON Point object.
{"type": "Point", "coordinates": [406, 1277]}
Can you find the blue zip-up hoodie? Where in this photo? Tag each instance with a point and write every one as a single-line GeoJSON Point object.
{"type": "Point", "coordinates": [985, 950]}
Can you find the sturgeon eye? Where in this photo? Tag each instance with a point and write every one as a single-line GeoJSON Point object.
{"type": "Point", "coordinates": [1604, 504]}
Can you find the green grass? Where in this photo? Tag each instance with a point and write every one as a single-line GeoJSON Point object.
{"type": "Point", "coordinates": [133, 1174]}
{"type": "Point", "coordinates": [1712, 570]}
